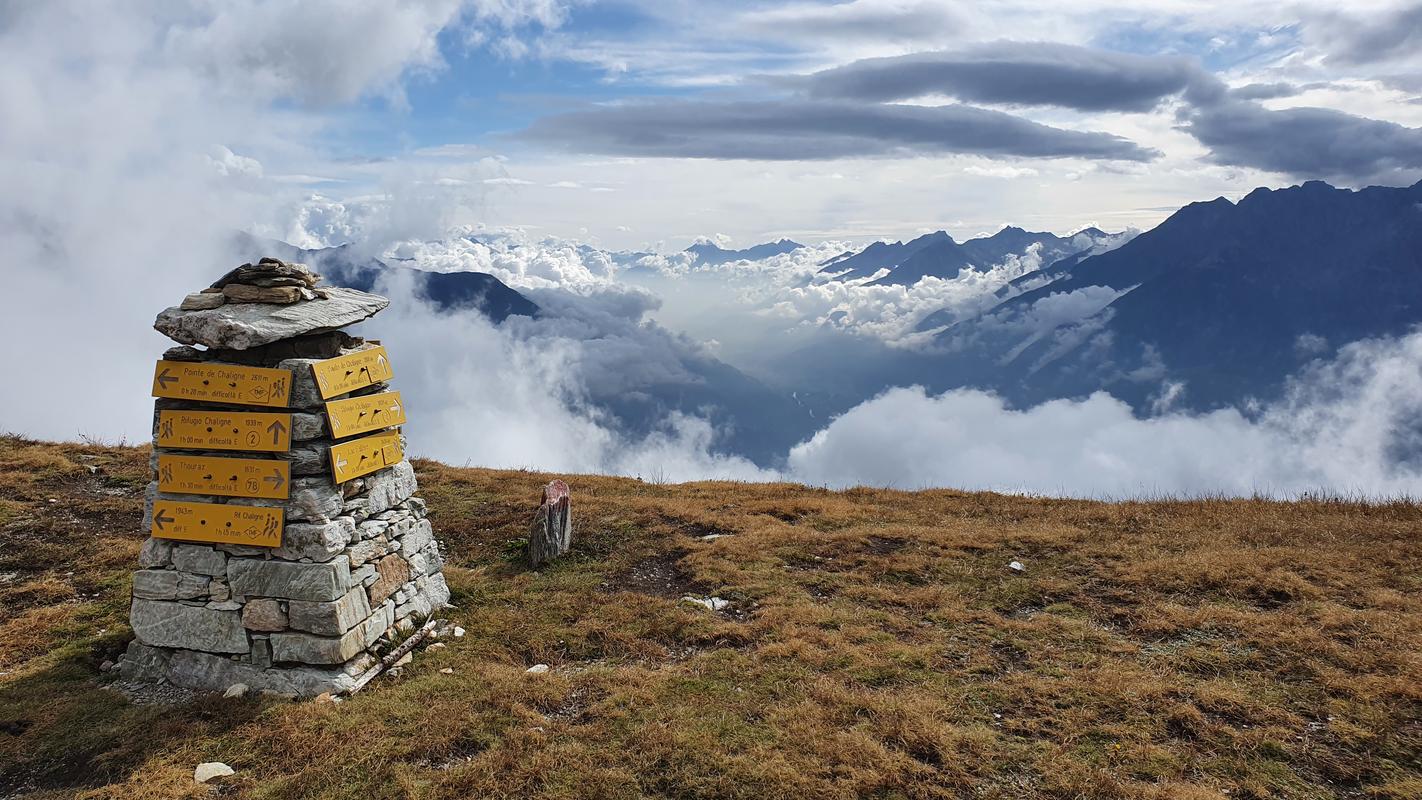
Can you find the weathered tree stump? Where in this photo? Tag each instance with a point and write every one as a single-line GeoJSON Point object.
{"type": "Point", "coordinates": [552, 531]}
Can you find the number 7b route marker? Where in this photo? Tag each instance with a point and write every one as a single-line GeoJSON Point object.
{"type": "Point", "coordinates": [224, 477]}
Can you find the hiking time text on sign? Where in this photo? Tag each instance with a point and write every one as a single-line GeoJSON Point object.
{"type": "Point", "coordinates": [365, 455]}
{"type": "Point", "coordinates": [225, 477]}
{"type": "Point", "coordinates": [214, 522]}
{"type": "Point", "coordinates": [224, 430]}
{"type": "Point", "coordinates": [365, 413]}
{"type": "Point", "coordinates": [350, 372]}
{"type": "Point", "coordinates": [222, 383]}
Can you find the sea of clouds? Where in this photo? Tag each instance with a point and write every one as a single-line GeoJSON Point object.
{"type": "Point", "coordinates": [125, 157]}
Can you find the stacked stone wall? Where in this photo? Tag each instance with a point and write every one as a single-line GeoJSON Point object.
{"type": "Point", "coordinates": [357, 565]}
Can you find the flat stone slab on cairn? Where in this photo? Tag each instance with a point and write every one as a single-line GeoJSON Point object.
{"type": "Point", "coordinates": [239, 326]}
{"type": "Point", "coordinates": [356, 566]}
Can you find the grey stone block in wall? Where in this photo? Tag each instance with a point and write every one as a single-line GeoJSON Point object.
{"type": "Point", "coordinates": [263, 614]}
{"type": "Point", "coordinates": [309, 458]}
{"type": "Point", "coordinates": [318, 541]}
{"type": "Point", "coordinates": [416, 540]}
{"type": "Point", "coordinates": [390, 487]}
{"type": "Point", "coordinates": [310, 500]}
{"type": "Point", "coordinates": [308, 648]}
{"type": "Point", "coordinates": [192, 586]}
{"type": "Point", "coordinates": [365, 551]}
{"type": "Point", "coordinates": [434, 562]}
{"type": "Point", "coordinates": [287, 580]}
{"type": "Point", "coordinates": [261, 653]}
{"type": "Point", "coordinates": [156, 584]}
{"type": "Point", "coordinates": [331, 618]}
{"type": "Point", "coordinates": [371, 528]}
{"type": "Point", "coordinates": [143, 663]}
{"type": "Point", "coordinates": [243, 549]}
{"type": "Point", "coordinates": [155, 553]}
{"type": "Point", "coordinates": [199, 558]}
{"type": "Point", "coordinates": [215, 673]}
{"type": "Point", "coordinates": [167, 624]}
{"type": "Point", "coordinates": [306, 426]}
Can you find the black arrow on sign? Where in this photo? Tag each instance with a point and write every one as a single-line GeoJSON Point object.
{"type": "Point", "coordinates": [275, 479]}
{"type": "Point", "coordinates": [159, 519]}
{"type": "Point", "coordinates": [276, 429]}
{"type": "Point", "coordinates": [164, 379]}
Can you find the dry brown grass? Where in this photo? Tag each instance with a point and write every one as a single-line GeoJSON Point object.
{"type": "Point", "coordinates": [877, 647]}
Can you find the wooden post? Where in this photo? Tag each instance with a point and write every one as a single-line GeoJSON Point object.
{"type": "Point", "coordinates": [552, 531]}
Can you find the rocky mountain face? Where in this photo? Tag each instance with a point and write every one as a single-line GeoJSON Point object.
{"type": "Point", "coordinates": [1230, 299]}
{"type": "Point", "coordinates": [1225, 298]}
{"type": "Point", "coordinates": [710, 255]}
{"type": "Point", "coordinates": [947, 259]}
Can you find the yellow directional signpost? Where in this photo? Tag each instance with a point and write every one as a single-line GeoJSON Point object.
{"type": "Point", "coordinates": [214, 522]}
{"type": "Point", "coordinates": [350, 372]}
{"type": "Point", "coordinates": [225, 477]}
{"type": "Point", "coordinates": [222, 383]}
{"type": "Point", "coordinates": [365, 455]}
{"type": "Point", "coordinates": [224, 430]}
{"type": "Point", "coordinates": [366, 413]}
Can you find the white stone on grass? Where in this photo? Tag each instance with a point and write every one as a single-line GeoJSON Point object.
{"type": "Point", "coordinates": [709, 603]}
{"type": "Point", "coordinates": [210, 770]}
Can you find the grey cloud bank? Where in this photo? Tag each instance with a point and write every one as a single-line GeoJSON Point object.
{"type": "Point", "coordinates": [803, 129]}
{"type": "Point", "coordinates": [1015, 73]}
{"type": "Point", "coordinates": [1312, 142]}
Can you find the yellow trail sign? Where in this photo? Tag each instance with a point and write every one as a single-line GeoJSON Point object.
{"type": "Point", "coordinates": [367, 413]}
{"type": "Point", "coordinates": [214, 522]}
{"type": "Point", "coordinates": [222, 383]}
{"type": "Point", "coordinates": [363, 456]}
{"type": "Point", "coordinates": [350, 372]}
{"type": "Point", "coordinates": [225, 477]}
{"type": "Point", "coordinates": [224, 430]}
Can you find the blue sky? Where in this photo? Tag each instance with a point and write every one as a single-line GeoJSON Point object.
{"type": "Point", "coordinates": [649, 123]}
{"type": "Point", "coordinates": [687, 118]}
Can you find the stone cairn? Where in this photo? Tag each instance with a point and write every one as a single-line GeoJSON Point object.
{"type": "Point", "coordinates": [286, 554]}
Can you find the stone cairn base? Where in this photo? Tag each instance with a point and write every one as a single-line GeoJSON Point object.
{"type": "Point", "coordinates": [358, 566]}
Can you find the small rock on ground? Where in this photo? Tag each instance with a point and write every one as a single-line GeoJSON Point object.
{"type": "Point", "coordinates": [212, 769]}
{"type": "Point", "coordinates": [709, 603]}
{"type": "Point", "coordinates": [537, 669]}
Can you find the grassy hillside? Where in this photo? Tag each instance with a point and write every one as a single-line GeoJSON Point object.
{"type": "Point", "coordinates": [877, 646]}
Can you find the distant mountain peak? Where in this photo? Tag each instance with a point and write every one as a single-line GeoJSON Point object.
{"type": "Point", "coordinates": [710, 254]}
